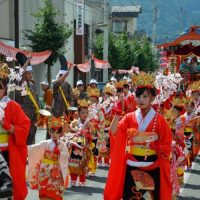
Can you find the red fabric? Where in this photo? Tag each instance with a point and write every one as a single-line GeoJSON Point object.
{"type": "Point", "coordinates": [37, 57]}
{"type": "Point", "coordinates": [114, 186]}
{"type": "Point", "coordinates": [130, 103]}
{"type": "Point", "coordinates": [17, 148]}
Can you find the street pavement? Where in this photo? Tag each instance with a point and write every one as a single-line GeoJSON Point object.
{"type": "Point", "coordinates": [191, 189]}
{"type": "Point", "coordinates": [93, 190]}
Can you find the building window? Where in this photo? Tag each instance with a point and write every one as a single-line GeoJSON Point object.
{"type": "Point", "coordinates": [119, 26]}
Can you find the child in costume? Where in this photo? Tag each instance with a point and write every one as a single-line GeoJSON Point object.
{"type": "Point", "coordinates": [80, 145]}
{"type": "Point", "coordinates": [48, 163]}
{"type": "Point", "coordinates": [104, 139]}
{"type": "Point", "coordinates": [140, 165]}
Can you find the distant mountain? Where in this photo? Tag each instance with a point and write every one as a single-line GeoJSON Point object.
{"type": "Point", "coordinates": [174, 16]}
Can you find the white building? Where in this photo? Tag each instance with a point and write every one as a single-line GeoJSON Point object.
{"type": "Point", "coordinates": [124, 18]}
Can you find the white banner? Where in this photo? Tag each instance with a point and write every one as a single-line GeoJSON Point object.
{"type": "Point", "coordinates": [80, 18]}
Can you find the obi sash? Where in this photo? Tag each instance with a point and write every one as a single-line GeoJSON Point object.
{"type": "Point", "coordinates": [4, 135]}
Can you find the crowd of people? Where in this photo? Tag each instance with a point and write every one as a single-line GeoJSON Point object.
{"type": "Point", "coordinates": [146, 133]}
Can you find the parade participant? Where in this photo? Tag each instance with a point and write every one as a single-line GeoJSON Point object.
{"type": "Point", "coordinates": [80, 87]}
{"type": "Point", "coordinates": [14, 129]}
{"type": "Point", "coordinates": [177, 128]}
{"type": "Point", "coordinates": [195, 89]}
{"type": "Point", "coordinates": [47, 96]}
{"type": "Point", "coordinates": [141, 151]}
{"type": "Point", "coordinates": [192, 138]}
{"type": "Point", "coordinates": [129, 97]}
{"type": "Point", "coordinates": [93, 85]}
{"type": "Point", "coordinates": [80, 148]}
{"type": "Point", "coordinates": [48, 163]}
{"type": "Point", "coordinates": [104, 140]}
{"type": "Point", "coordinates": [96, 117]}
{"type": "Point", "coordinates": [113, 80]}
{"type": "Point", "coordinates": [120, 102]}
{"type": "Point", "coordinates": [62, 90]}
{"type": "Point", "coordinates": [29, 102]}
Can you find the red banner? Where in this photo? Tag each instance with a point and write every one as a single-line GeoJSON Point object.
{"type": "Point", "coordinates": [37, 57]}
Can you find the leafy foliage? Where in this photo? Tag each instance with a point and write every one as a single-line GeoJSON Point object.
{"type": "Point", "coordinates": [125, 52]}
{"type": "Point", "coordinates": [47, 33]}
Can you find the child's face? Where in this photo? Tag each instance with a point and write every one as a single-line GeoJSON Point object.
{"type": "Point", "coordinates": [189, 108]}
{"type": "Point", "coordinates": [83, 114]}
{"type": "Point", "coordinates": [54, 134]}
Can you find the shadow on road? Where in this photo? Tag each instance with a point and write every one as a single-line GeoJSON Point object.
{"type": "Point", "coordinates": [85, 189]}
{"type": "Point", "coordinates": [97, 179]}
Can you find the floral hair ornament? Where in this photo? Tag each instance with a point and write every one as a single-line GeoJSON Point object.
{"type": "Point", "coordinates": [4, 70]}
{"type": "Point", "coordinates": [144, 80]}
{"type": "Point", "coordinates": [83, 103]}
{"type": "Point", "coordinates": [56, 122]}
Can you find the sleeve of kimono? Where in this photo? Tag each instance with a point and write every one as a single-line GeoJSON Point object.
{"type": "Point", "coordinates": [114, 186]}
{"type": "Point", "coordinates": [163, 146]}
{"type": "Point", "coordinates": [64, 160]}
{"type": "Point", "coordinates": [20, 122]}
{"type": "Point", "coordinates": [35, 154]}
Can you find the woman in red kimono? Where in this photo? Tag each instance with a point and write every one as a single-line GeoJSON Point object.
{"type": "Point", "coordinates": [141, 152]}
{"type": "Point", "coordinates": [14, 129]}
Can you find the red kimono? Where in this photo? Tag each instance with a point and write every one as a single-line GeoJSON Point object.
{"type": "Point", "coordinates": [116, 176]}
{"type": "Point", "coordinates": [17, 148]}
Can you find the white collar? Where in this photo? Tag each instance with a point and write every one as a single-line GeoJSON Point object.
{"type": "Point", "coordinates": [144, 122]}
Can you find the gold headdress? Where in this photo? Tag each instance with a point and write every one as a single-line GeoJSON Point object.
{"type": "Point", "coordinates": [119, 84]}
{"type": "Point", "coordinates": [56, 122]}
{"type": "Point", "coordinates": [125, 82]}
{"type": "Point", "coordinates": [195, 86]}
{"type": "Point", "coordinates": [109, 89]}
{"type": "Point", "coordinates": [93, 92]}
{"type": "Point", "coordinates": [178, 102]}
{"type": "Point", "coordinates": [83, 103]}
{"type": "Point", "coordinates": [170, 117]}
{"type": "Point", "coordinates": [76, 91]}
{"type": "Point", "coordinates": [4, 70]}
{"type": "Point", "coordinates": [144, 80]}
{"type": "Point", "coordinates": [188, 100]}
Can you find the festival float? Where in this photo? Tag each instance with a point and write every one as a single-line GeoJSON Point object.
{"type": "Point", "coordinates": [183, 55]}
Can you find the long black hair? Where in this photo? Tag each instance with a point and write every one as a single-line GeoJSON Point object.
{"type": "Point", "coordinates": [4, 83]}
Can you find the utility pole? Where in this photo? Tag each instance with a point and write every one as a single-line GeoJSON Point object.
{"type": "Point", "coordinates": [155, 17]}
{"type": "Point", "coordinates": [16, 15]}
{"type": "Point", "coordinates": [106, 37]}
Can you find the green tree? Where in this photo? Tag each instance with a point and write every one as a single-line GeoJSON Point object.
{"type": "Point", "coordinates": [125, 52]}
{"type": "Point", "coordinates": [48, 34]}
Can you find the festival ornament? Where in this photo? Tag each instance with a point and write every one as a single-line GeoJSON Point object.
{"type": "Point", "coordinates": [119, 84]}
{"type": "Point", "coordinates": [93, 92]}
{"type": "Point", "coordinates": [109, 89]}
{"type": "Point", "coordinates": [4, 70]}
{"type": "Point", "coordinates": [195, 86]}
{"type": "Point", "coordinates": [56, 122]}
{"type": "Point", "coordinates": [83, 103]}
{"type": "Point", "coordinates": [144, 80]}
